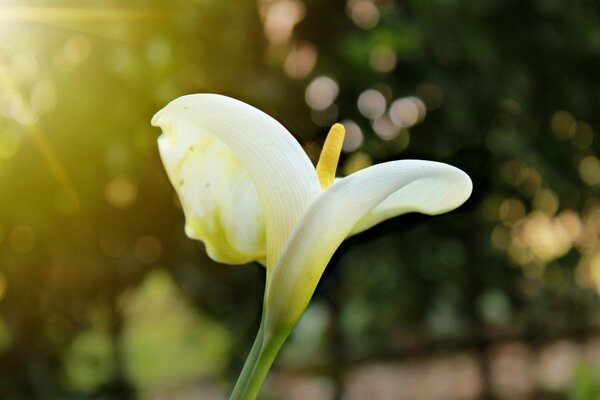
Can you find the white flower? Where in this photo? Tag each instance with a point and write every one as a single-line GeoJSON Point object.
{"type": "Point", "coordinates": [250, 193]}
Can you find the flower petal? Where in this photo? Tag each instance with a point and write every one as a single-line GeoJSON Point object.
{"type": "Point", "coordinates": [427, 199]}
{"type": "Point", "coordinates": [213, 147]}
{"type": "Point", "coordinates": [210, 181]}
{"type": "Point", "coordinates": [335, 214]}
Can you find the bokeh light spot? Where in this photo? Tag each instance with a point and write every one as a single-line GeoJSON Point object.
{"type": "Point", "coordinates": [547, 201]}
{"type": "Point", "coordinates": [555, 365]}
{"type": "Point", "coordinates": [364, 13]}
{"type": "Point", "coordinates": [120, 193]}
{"type": "Point", "coordinates": [354, 136]}
{"type": "Point", "coordinates": [511, 210]}
{"type": "Point", "coordinates": [407, 111]}
{"type": "Point", "coordinates": [594, 269]}
{"type": "Point", "coordinates": [561, 124]}
{"type": "Point", "coordinates": [371, 103]}
{"type": "Point", "coordinates": [532, 181]}
{"type": "Point", "coordinates": [301, 60]}
{"type": "Point", "coordinates": [583, 136]}
{"type": "Point", "coordinates": [572, 224]}
{"type": "Point", "coordinates": [280, 17]}
{"type": "Point", "coordinates": [385, 128]}
{"type": "Point", "coordinates": [511, 372]}
{"type": "Point", "coordinates": [400, 142]}
{"type": "Point", "coordinates": [383, 59]}
{"type": "Point", "coordinates": [14, 106]}
{"type": "Point", "coordinates": [494, 306]}
{"type": "Point", "coordinates": [545, 238]}
{"type": "Point", "coordinates": [321, 92]}
{"type": "Point", "coordinates": [589, 170]}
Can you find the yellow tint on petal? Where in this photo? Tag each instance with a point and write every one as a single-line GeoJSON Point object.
{"type": "Point", "coordinates": [257, 167]}
{"type": "Point", "coordinates": [218, 197]}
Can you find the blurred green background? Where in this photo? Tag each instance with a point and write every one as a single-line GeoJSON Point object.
{"type": "Point", "coordinates": [103, 297]}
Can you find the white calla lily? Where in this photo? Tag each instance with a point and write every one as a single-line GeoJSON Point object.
{"type": "Point", "coordinates": [250, 193]}
{"type": "Point", "coordinates": [201, 128]}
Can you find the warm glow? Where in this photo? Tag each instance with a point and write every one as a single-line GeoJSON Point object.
{"type": "Point", "coordinates": [87, 20]}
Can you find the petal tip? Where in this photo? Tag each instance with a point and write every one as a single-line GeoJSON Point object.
{"type": "Point", "coordinates": [466, 186]}
{"type": "Point", "coordinates": [155, 121]}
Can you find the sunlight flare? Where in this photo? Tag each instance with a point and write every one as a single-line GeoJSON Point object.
{"type": "Point", "coordinates": [91, 21]}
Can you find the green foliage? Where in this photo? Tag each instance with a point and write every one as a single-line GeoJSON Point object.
{"type": "Point", "coordinates": [165, 342]}
{"type": "Point", "coordinates": [585, 385]}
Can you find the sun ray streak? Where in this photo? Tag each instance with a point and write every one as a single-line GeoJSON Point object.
{"type": "Point", "coordinates": [43, 144]}
{"type": "Point", "coordinates": [56, 14]}
{"type": "Point", "coordinates": [87, 20]}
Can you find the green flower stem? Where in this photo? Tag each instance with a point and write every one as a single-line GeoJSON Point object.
{"type": "Point", "coordinates": [260, 359]}
{"type": "Point", "coordinates": [244, 378]}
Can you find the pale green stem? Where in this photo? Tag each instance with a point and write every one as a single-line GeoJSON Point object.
{"type": "Point", "coordinates": [244, 378]}
{"type": "Point", "coordinates": [264, 350]}
{"type": "Point", "coordinates": [250, 386]}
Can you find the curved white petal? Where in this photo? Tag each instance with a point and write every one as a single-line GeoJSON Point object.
{"type": "Point", "coordinates": [422, 197]}
{"type": "Point", "coordinates": [218, 197]}
{"type": "Point", "coordinates": [337, 211]}
{"type": "Point", "coordinates": [223, 156]}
